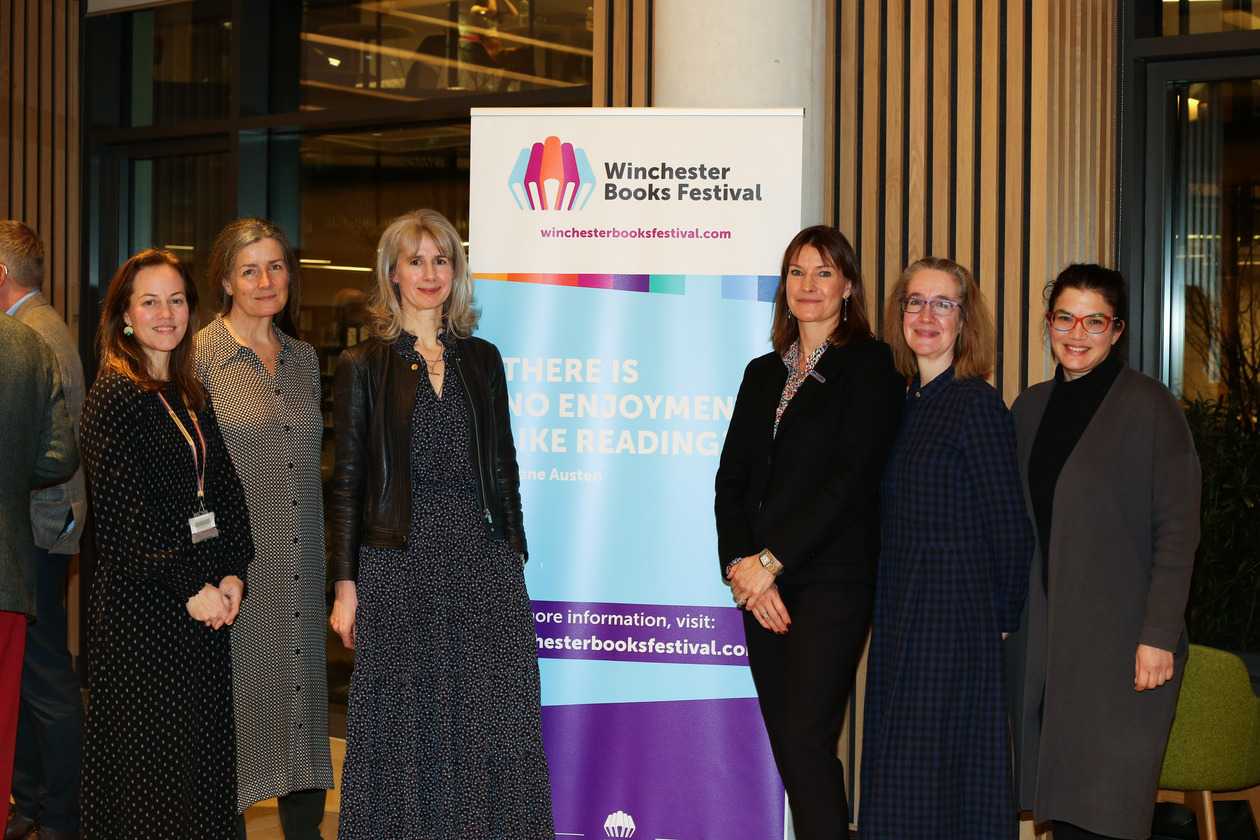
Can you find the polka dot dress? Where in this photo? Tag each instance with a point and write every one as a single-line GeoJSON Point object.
{"type": "Point", "coordinates": [159, 749]}
{"type": "Point", "coordinates": [443, 732]}
{"type": "Point", "coordinates": [274, 429]}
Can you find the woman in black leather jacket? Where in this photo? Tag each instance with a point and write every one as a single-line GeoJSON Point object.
{"type": "Point", "coordinates": [443, 732]}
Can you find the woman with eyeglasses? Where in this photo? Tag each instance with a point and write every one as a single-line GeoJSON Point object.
{"type": "Point", "coordinates": [798, 514]}
{"type": "Point", "coordinates": [953, 573]}
{"type": "Point", "coordinates": [1112, 484]}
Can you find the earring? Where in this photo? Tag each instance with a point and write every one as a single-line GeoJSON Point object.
{"type": "Point", "coordinates": [128, 331]}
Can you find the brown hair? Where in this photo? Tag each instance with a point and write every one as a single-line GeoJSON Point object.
{"type": "Point", "coordinates": [236, 237]}
{"type": "Point", "coordinates": [401, 239]}
{"type": "Point", "coordinates": [124, 354]}
{"type": "Point", "coordinates": [22, 253]}
{"type": "Point", "coordinates": [973, 346]}
{"type": "Point", "coordinates": [835, 249]}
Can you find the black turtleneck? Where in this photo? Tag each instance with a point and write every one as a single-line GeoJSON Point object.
{"type": "Point", "coordinates": [1072, 405]}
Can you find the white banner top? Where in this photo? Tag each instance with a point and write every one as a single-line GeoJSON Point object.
{"type": "Point", "coordinates": [573, 191]}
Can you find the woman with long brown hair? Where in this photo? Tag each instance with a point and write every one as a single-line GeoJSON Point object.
{"type": "Point", "coordinates": [173, 538]}
{"type": "Point", "coordinates": [798, 513]}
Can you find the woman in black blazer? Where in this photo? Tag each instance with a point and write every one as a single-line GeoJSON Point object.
{"type": "Point", "coordinates": [798, 513]}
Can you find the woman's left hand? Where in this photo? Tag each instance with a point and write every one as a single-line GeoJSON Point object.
{"type": "Point", "coordinates": [1153, 667]}
{"type": "Point", "coordinates": [749, 580]}
{"type": "Point", "coordinates": [233, 588]}
{"type": "Point", "coordinates": [770, 612]}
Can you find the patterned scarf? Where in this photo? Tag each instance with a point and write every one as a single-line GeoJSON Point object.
{"type": "Point", "coordinates": [795, 377]}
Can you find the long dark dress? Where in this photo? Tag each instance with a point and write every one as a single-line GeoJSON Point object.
{"type": "Point", "coordinates": [953, 574]}
{"type": "Point", "coordinates": [160, 752]}
{"type": "Point", "coordinates": [443, 732]}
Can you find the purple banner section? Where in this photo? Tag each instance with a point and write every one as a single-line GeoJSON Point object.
{"type": "Point", "coordinates": [687, 770]}
{"type": "Point", "coordinates": [640, 633]}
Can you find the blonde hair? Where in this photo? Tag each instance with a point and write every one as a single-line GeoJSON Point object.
{"type": "Point", "coordinates": [973, 346]}
{"type": "Point", "coordinates": [401, 240]}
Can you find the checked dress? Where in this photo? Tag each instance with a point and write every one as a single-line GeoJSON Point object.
{"type": "Point", "coordinates": [953, 575]}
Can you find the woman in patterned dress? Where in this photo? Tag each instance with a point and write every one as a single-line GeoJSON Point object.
{"type": "Point", "coordinates": [265, 388]}
{"type": "Point", "coordinates": [953, 573]}
{"type": "Point", "coordinates": [798, 515]}
{"type": "Point", "coordinates": [160, 748]}
{"type": "Point", "coordinates": [443, 731]}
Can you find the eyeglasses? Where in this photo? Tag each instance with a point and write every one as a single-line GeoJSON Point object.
{"type": "Point", "coordinates": [1093, 324]}
{"type": "Point", "coordinates": [913, 306]}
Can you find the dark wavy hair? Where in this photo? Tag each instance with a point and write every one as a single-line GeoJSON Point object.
{"type": "Point", "coordinates": [1107, 283]}
{"type": "Point", "coordinates": [124, 354]}
{"type": "Point", "coordinates": [835, 249]}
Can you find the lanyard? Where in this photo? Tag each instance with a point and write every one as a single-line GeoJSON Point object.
{"type": "Point", "coordinates": [199, 464]}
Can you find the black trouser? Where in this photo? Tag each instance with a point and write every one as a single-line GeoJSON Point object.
{"type": "Point", "coordinates": [803, 680]}
{"type": "Point", "coordinates": [1067, 831]}
{"type": "Point", "coordinates": [301, 812]}
{"type": "Point", "coordinates": [49, 753]}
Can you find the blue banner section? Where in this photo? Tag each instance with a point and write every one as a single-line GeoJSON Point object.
{"type": "Point", "coordinates": [626, 262]}
{"type": "Point", "coordinates": [620, 404]}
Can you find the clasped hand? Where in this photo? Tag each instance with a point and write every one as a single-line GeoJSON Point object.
{"type": "Point", "coordinates": [754, 589]}
{"type": "Point", "coordinates": [215, 606]}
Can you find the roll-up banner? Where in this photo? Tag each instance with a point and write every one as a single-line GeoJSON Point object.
{"type": "Point", "coordinates": [625, 263]}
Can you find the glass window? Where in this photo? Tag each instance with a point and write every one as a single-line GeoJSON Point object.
{"type": "Point", "coordinates": [175, 61]}
{"type": "Point", "coordinates": [1215, 238]}
{"type": "Point", "coordinates": [355, 52]}
{"type": "Point", "coordinates": [179, 203]}
{"type": "Point", "coordinates": [352, 184]}
{"type": "Point", "coordinates": [1192, 17]}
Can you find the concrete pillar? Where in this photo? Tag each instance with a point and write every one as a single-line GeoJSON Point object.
{"type": "Point", "coordinates": [747, 54]}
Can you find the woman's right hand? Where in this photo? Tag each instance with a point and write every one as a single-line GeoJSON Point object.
{"type": "Point", "coordinates": [345, 606]}
{"type": "Point", "coordinates": [209, 606]}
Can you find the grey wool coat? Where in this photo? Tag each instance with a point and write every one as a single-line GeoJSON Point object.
{"type": "Point", "coordinates": [38, 450]}
{"type": "Point", "coordinates": [1122, 541]}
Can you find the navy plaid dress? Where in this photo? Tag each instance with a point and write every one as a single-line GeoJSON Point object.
{"type": "Point", "coordinates": [953, 574]}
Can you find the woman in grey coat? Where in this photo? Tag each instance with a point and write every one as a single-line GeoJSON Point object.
{"type": "Point", "coordinates": [1111, 479]}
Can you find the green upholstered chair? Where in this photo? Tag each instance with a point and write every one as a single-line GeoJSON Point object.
{"type": "Point", "coordinates": [1214, 748]}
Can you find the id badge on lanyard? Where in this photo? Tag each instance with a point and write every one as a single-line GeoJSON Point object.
{"type": "Point", "coordinates": [200, 524]}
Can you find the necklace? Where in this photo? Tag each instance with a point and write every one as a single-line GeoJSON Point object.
{"type": "Point", "coordinates": [431, 363]}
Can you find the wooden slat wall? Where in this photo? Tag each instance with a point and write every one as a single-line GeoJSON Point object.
{"type": "Point", "coordinates": [980, 130]}
{"type": "Point", "coordinates": [623, 56]}
{"type": "Point", "coordinates": [39, 135]}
